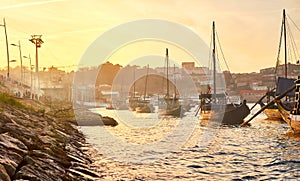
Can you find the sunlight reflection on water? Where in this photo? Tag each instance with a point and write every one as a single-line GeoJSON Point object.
{"type": "Point", "coordinates": [265, 150]}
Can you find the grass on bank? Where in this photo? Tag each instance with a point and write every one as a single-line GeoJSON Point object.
{"type": "Point", "coordinates": [59, 110]}
{"type": "Point", "coordinates": [8, 100]}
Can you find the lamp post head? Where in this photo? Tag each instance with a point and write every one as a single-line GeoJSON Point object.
{"type": "Point", "coordinates": [36, 39]}
{"type": "Point", "coordinates": [14, 44]}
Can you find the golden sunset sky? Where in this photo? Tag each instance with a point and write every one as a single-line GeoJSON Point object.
{"type": "Point", "coordinates": [249, 31]}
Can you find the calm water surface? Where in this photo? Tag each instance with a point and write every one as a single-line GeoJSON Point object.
{"type": "Point", "coordinates": [264, 151]}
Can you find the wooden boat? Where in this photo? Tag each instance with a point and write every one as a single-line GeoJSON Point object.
{"type": "Point", "coordinates": [143, 105]}
{"type": "Point", "coordinates": [294, 123]}
{"type": "Point", "coordinates": [133, 100]}
{"type": "Point", "coordinates": [272, 112]}
{"type": "Point", "coordinates": [133, 103]}
{"type": "Point", "coordinates": [216, 105]}
{"type": "Point", "coordinates": [276, 99]}
{"type": "Point", "coordinates": [169, 106]}
{"type": "Point", "coordinates": [292, 117]}
{"type": "Point", "coordinates": [288, 103]}
{"type": "Point", "coordinates": [285, 107]}
{"type": "Point", "coordinates": [231, 114]}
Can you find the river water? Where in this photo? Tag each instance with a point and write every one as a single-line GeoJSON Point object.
{"type": "Point", "coordinates": [147, 147]}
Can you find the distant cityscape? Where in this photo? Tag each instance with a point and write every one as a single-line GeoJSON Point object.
{"type": "Point", "coordinates": [107, 80]}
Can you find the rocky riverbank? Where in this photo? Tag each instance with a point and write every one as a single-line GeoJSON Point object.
{"type": "Point", "coordinates": [39, 146]}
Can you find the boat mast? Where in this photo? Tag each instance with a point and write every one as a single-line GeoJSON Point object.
{"type": "Point", "coordinates": [134, 82]}
{"type": "Point", "coordinates": [214, 64]}
{"type": "Point", "coordinates": [174, 83]}
{"type": "Point", "coordinates": [167, 59]}
{"type": "Point", "coordinates": [285, 51]}
{"type": "Point", "coordinates": [146, 82]}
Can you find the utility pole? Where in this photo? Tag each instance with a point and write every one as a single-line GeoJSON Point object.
{"type": "Point", "coordinates": [7, 51]}
{"type": "Point", "coordinates": [30, 69]}
{"type": "Point", "coordinates": [19, 45]}
{"type": "Point", "coordinates": [36, 39]}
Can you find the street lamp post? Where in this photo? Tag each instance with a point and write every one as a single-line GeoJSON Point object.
{"type": "Point", "coordinates": [20, 60]}
{"type": "Point", "coordinates": [30, 69]}
{"type": "Point", "coordinates": [7, 51]}
{"type": "Point", "coordinates": [36, 39]}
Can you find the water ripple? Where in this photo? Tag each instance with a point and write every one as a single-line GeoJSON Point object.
{"type": "Point", "coordinates": [261, 152]}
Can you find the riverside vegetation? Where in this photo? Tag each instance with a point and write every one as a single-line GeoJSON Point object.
{"type": "Point", "coordinates": [42, 145]}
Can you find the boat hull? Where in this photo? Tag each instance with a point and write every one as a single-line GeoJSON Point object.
{"type": "Point", "coordinates": [235, 115]}
{"type": "Point", "coordinates": [174, 111]}
{"type": "Point", "coordinates": [144, 109]}
{"type": "Point", "coordinates": [273, 114]}
{"type": "Point", "coordinates": [229, 114]}
{"type": "Point", "coordinates": [272, 111]}
{"type": "Point", "coordinates": [292, 120]}
{"type": "Point", "coordinates": [294, 123]}
{"type": "Point", "coordinates": [169, 107]}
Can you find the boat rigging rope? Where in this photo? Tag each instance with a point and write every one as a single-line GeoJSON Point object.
{"type": "Point", "coordinates": [216, 53]}
{"type": "Point", "coordinates": [210, 63]}
{"type": "Point", "coordinates": [292, 44]}
{"type": "Point", "coordinates": [293, 23]}
{"type": "Point", "coordinates": [278, 54]}
{"type": "Point", "coordinates": [222, 52]}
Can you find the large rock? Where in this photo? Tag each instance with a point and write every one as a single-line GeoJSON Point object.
{"type": "Point", "coordinates": [108, 121]}
{"type": "Point", "coordinates": [9, 165]}
{"type": "Point", "coordinates": [88, 118]}
{"type": "Point", "coordinates": [41, 172]}
{"type": "Point", "coordinates": [14, 144]}
{"type": "Point", "coordinates": [12, 152]}
{"type": "Point", "coordinates": [3, 174]}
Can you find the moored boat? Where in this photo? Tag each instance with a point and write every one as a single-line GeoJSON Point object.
{"type": "Point", "coordinates": [292, 117]}
{"type": "Point", "coordinates": [271, 112]}
{"type": "Point", "coordinates": [144, 105]}
{"type": "Point", "coordinates": [133, 103]}
{"type": "Point", "coordinates": [168, 105]}
{"type": "Point", "coordinates": [283, 82]}
{"type": "Point", "coordinates": [216, 104]}
{"type": "Point", "coordinates": [294, 123]}
{"type": "Point", "coordinates": [232, 114]}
